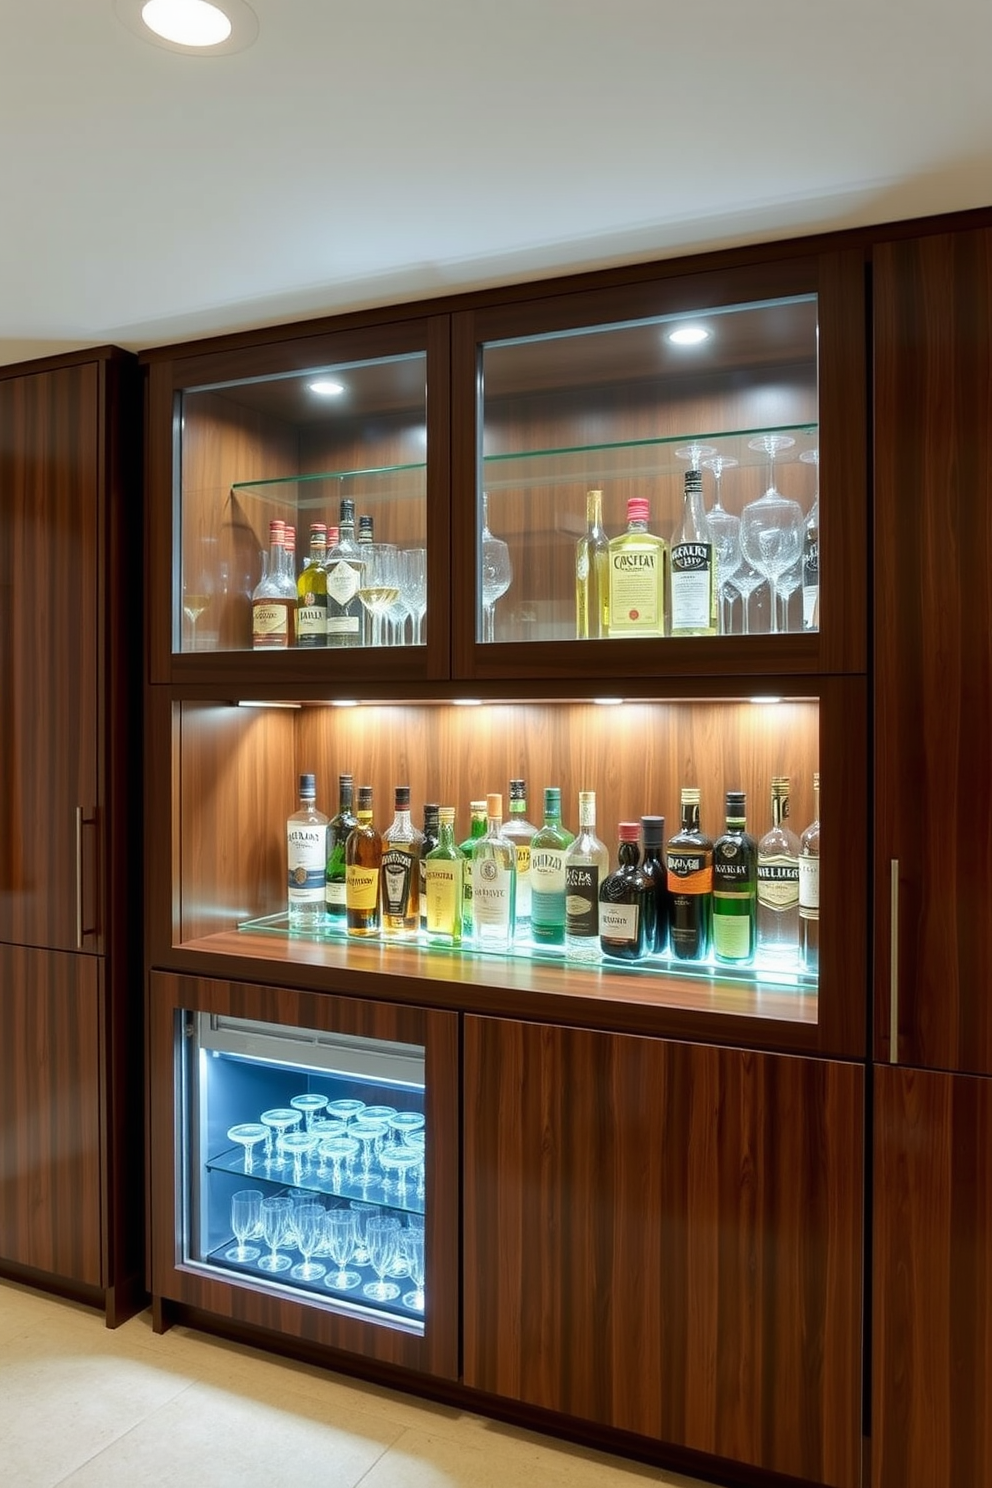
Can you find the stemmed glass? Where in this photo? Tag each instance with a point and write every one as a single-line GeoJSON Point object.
{"type": "Point", "coordinates": [413, 1246]}
{"type": "Point", "coordinates": [811, 533]}
{"type": "Point", "coordinates": [246, 1209]}
{"type": "Point", "coordinates": [362, 1213]}
{"type": "Point", "coordinates": [279, 1119]}
{"type": "Point", "coordinates": [345, 1109]}
{"type": "Point", "coordinates": [276, 1214]}
{"type": "Point", "coordinates": [309, 1104]}
{"type": "Point", "coordinates": [248, 1134]}
{"type": "Point", "coordinates": [339, 1235]}
{"type": "Point", "coordinates": [399, 1157]}
{"type": "Point", "coordinates": [379, 587]}
{"type": "Point", "coordinates": [417, 1140]}
{"type": "Point", "coordinates": [309, 1220]}
{"type": "Point", "coordinates": [198, 585]}
{"type": "Point", "coordinates": [413, 588]}
{"type": "Point", "coordinates": [726, 530]}
{"type": "Point", "coordinates": [299, 1144]}
{"type": "Point", "coordinates": [772, 527]}
{"type": "Point", "coordinates": [368, 1133]}
{"type": "Point", "coordinates": [382, 1238]}
{"type": "Point", "coordinates": [496, 572]}
{"type": "Point", "coordinates": [339, 1150]}
{"type": "Point", "coordinates": [788, 583]}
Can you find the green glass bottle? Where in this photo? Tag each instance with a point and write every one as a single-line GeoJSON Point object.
{"type": "Point", "coordinates": [478, 827]}
{"type": "Point", "coordinates": [547, 874]}
{"type": "Point", "coordinates": [444, 868]}
{"type": "Point", "coordinates": [735, 886]}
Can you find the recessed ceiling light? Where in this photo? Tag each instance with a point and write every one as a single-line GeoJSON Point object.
{"type": "Point", "coordinates": [326, 389]}
{"type": "Point", "coordinates": [690, 335]}
{"type": "Point", "coordinates": [194, 26]}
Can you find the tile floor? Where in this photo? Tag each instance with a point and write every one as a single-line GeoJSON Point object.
{"type": "Point", "coordinates": [83, 1406]}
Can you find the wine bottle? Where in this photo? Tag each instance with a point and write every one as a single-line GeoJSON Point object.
{"type": "Point", "coordinates": [494, 874]}
{"type": "Point", "coordinates": [587, 863]}
{"type": "Point", "coordinates": [778, 883]}
{"type": "Point", "coordinates": [338, 828]}
{"type": "Point", "coordinates": [592, 574]}
{"type": "Point", "coordinates": [694, 592]}
{"type": "Point", "coordinates": [626, 901]}
{"type": "Point", "coordinates": [689, 859]}
{"type": "Point", "coordinates": [444, 867]}
{"type": "Point", "coordinates": [735, 883]}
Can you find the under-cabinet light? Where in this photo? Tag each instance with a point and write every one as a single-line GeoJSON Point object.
{"type": "Point", "coordinates": [765, 700]}
{"type": "Point", "coordinates": [607, 702]}
{"type": "Point", "coordinates": [344, 702]}
{"type": "Point", "coordinates": [689, 335]}
{"type": "Point", "coordinates": [326, 389]}
{"type": "Point", "coordinates": [467, 702]}
{"type": "Point", "coordinates": [261, 703]}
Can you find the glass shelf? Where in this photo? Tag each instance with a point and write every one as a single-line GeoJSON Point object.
{"type": "Point", "coordinates": [233, 1161]}
{"type": "Point", "coordinates": [321, 491]}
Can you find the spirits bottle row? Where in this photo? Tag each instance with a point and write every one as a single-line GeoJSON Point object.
{"type": "Point", "coordinates": [510, 885]}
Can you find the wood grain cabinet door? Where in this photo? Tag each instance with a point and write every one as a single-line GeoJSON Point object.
{"type": "Point", "coordinates": [49, 649]}
{"type": "Point", "coordinates": [933, 650]}
{"type": "Point", "coordinates": [666, 1239]}
{"type": "Point", "coordinates": [50, 1167]}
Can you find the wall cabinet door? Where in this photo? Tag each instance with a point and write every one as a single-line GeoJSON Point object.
{"type": "Point", "coordinates": [50, 1166]}
{"type": "Point", "coordinates": [666, 1239]}
{"type": "Point", "coordinates": [932, 1294]}
{"type": "Point", "coordinates": [933, 665]}
{"type": "Point", "coordinates": [49, 639]}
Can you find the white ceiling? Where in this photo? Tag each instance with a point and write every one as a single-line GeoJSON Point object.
{"type": "Point", "coordinates": [367, 151]}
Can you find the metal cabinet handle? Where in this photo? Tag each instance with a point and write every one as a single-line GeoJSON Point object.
{"type": "Point", "coordinates": [894, 961]}
{"type": "Point", "coordinates": [81, 929]}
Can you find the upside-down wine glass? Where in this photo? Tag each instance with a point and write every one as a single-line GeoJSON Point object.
{"type": "Point", "coordinates": [726, 530]}
{"type": "Point", "coordinates": [496, 572]}
{"type": "Point", "coordinates": [772, 526]}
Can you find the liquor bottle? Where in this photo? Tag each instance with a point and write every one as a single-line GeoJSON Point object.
{"type": "Point", "coordinates": [272, 613]}
{"type": "Point", "coordinates": [363, 860]}
{"type": "Point", "coordinates": [653, 863]}
{"type": "Point", "coordinates": [345, 611]}
{"type": "Point", "coordinates": [637, 577]}
{"type": "Point", "coordinates": [306, 847]}
{"type": "Point", "coordinates": [735, 884]}
{"type": "Point", "coordinates": [626, 902]}
{"type": "Point", "coordinates": [476, 829]}
{"type": "Point", "coordinates": [399, 879]}
{"type": "Point", "coordinates": [338, 828]}
{"type": "Point", "coordinates": [694, 592]}
{"type": "Point", "coordinates": [494, 873]}
{"type": "Point", "coordinates": [809, 887]}
{"type": "Point", "coordinates": [289, 562]}
{"type": "Point", "coordinates": [445, 871]}
{"type": "Point", "coordinates": [428, 844]}
{"type": "Point", "coordinates": [778, 883]}
{"type": "Point", "coordinates": [521, 833]}
{"type": "Point", "coordinates": [547, 873]}
{"type": "Point", "coordinates": [811, 568]}
{"type": "Point", "coordinates": [366, 529]}
{"type": "Point", "coordinates": [592, 574]}
{"type": "Point", "coordinates": [689, 860]}
{"type": "Point", "coordinates": [311, 593]}
{"type": "Point", "coordinates": [587, 863]}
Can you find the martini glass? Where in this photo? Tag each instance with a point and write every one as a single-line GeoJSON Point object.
{"type": "Point", "coordinates": [772, 527]}
{"type": "Point", "coordinates": [249, 1134]}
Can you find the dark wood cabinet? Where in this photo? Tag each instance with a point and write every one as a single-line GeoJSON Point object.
{"type": "Point", "coordinates": [665, 1239]}
{"type": "Point", "coordinates": [70, 869]}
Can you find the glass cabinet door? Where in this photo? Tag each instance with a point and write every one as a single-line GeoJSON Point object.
{"type": "Point", "coordinates": [651, 478]}
{"type": "Point", "coordinates": [301, 509]}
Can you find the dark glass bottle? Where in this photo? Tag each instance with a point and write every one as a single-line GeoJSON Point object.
{"type": "Point", "coordinates": [626, 902]}
{"type": "Point", "coordinates": [337, 835]}
{"type": "Point", "coordinates": [689, 859]}
{"type": "Point", "coordinates": [431, 816]}
{"type": "Point", "coordinates": [653, 863]}
{"type": "Point", "coordinates": [735, 886]}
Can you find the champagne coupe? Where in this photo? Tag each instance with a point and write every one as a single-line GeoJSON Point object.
{"type": "Point", "coordinates": [276, 1214]}
{"type": "Point", "coordinates": [345, 1109]}
{"type": "Point", "coordinates": [496, 570]}
{"type": "Point", "coordinates": [309, 1219]}
{"type": "Point", "coordinates": [309, 1104]}
{"type": "Point", "coordinates": [278, 1120]}
{"type": "Point", "coordinates": [246, 1212]}
{"type": "Point", "coordinates": [248, 1134]}
{"type": "Point", "coordinates": [299, 1145]}
{"type": "Point", "coordinates": [323, 1130]}
{"type": "Point", "coordinates": [339, 1236]}
{"type": "Point", "coordinates": [379, 586]}
{"type": "Point", "coordinates": [413, 1246]}
{"type": "Point", "coordinates": [382, 1238]}
{"type": "Point", "coordinates": [198, 585]}
{"type": "Point", "coordinates": [399, 1158]}
{"type": "Point", "coordinates": [726, 530]}
{"type": "Point", "coordinates": [772, 527]}
{"type": "Point", "coordinates": [405, 1122]}
{"type": "Point", "coordinates": [339, 1150]}
{"type": "Point", "coordinates": [417, 1140]}
{"type": "Point", "coordinates": [368, 1133]}
{"type": "Point", "coordinates": [413, 588]}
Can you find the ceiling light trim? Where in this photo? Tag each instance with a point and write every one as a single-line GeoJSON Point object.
{"type": "Point", "coordinates": [244, 28]}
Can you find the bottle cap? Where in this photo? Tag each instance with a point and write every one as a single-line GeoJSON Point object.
{"type": "Point", "coordinates": [333, 537]}
{"type": "Point", "coordinates": [318, 530]}
{"type": "Point", "coordinates": [401, 796]}
{"type": "Point", "coordinates": [365, 798]}
{"type": "Point", "coordinates": [366, 525]}
{"type": "Point", "coordinates": [478, 807]}
{"type": "Point", "coordinates": [693, 480]}
{"type": "Point", "coordinates": [518, 790]}
{"type": "Point", "coordinates": [629, 831]}
{"type": "Point", "coordinates": [494, 804]}
{"type": "Point", "coordinates": [638, 509]}
{"type": "Point", "coordinates": [552, 800]}
{"type": "Point", "coordinates": [690, 795]}
{"type": "Point", "coordinates": [345, 780]}
{"type": "Point", "coordinates": [431, 811]}
{"type": "Point", "coordinates": [277, 531]}
{"type": "Point", "coordinates": [347, 513]}
{"type": "Point", "coordinates": [308, 787]}
{"type": "Point", "coordinates": [736, 801]}
{"type": "Point", "coordinates": [446, 814]}
{"type": "Point", "coordinates": [780, 785]}
{"type": "Point", "coordinates": [654, 830]}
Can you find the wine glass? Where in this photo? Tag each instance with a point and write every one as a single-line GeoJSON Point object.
{"type": "Point", "coordinates": [276, 1212]}
{"type": "Point", "coordinates": [788, 583]}
{"type": "Point", "coordinates": [772, 527]}
{"type": "Point", "coordinates": [309, 1221]}
{"type": "Point", "coordinates": [417, 1140]}
{"type": "Point", "coordinates": [246, 1210]}
{"type": "Point", "coordinates": [339, 1235]}
{"type": "Point", "coordinates": [811, 550]}
{"type": "Point", "coordinates": [745, 580]}
{"type": "Point", "coordinates": [198, 585]}
{"type": "Point", "coordinates": [496, 572]}
{"type": "Point", "coordinates": [379, 585]}
{"type": "Point", "coordinates": [695, 453]}
{"type": "Point", "coordinates": [362, 1213]}
{"type": "Point", "coordinates": [248, 1134]}
{"type": "Point", "coordinates": [726, 530]}
{"type": "Point", "coordinates": [382, 1238]}
{"type": "Point", "coordinates": [413, 588]}
{"type": "Point", "coordinates": [413, 1245]}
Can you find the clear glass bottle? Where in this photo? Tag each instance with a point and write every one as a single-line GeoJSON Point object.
{"type": "Point", "coordinates": [809, 887]}
{"type": "Point", "coordinates": [735, 886]}
{"type": "Point", "coordinates": [363, 860]}
{"type": "Point", "coordinates": [345, 611]}
{"type": "Point", "coordinates": [306, 850]}
{"type": "Point", "coordinates": [400, 871]}
{"type": "Point", "coordinates": [626, 907]}
{"type": "Point", "coordinates": [689, 860]}
{"type": "Point", "coordinates": [811, 569]}
{"type": "Point", "coordinates": [587, 863]}
{"type": "Point", "coordinates": [638, 560]}
{"type": "Point", "coordinates": [592, 574]}
{"type": "Point", "coordinates": [272, 614]}
{"type": "Point", "coordinates": [694, 590]}
{"type": "Point", "coordinates": [444, 891]}
{"type": "Point", "coordinates": [521, 833]}
{"type": "Point", "coordinates": [428, 844]}
{"type": "Point", "coordinates": [289, 564]}
{"type": "Point", "coordinates": [547, 873]}
{"type": "Point", "coordinates": [653, 863]}
{"type": "Point", "coordinates": [338, 829]}
{"type": "Point", "coordinates": [778, 883]}
{"type": "Point", "coordinates": [311, 593]}
{"type": "Point", "coordinates": [477, 827]}
{"type": "Point", "coordinates": [494, 874]}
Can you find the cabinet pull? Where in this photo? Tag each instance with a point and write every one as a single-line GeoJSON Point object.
{"type": "Point", "coordinates": [894, 961]}
{"type": "Point", "coordinates": [81, 930]}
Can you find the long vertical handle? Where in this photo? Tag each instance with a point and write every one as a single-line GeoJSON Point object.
{"type": "Point", "coordinates": [894, 961]}
{"type": "Point", "coordinates": [81, 930]}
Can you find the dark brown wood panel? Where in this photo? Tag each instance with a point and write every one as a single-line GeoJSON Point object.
{"type": "Point", "coordinates": [49, 660]}
{"type": "Point", "coordinates": [933, 661]}
{"type": "Point", "coordinates": [666, 1239]}
{"type": "Point", "coordinates": [437, 1351]}
{"type": "Point", "coordinates": [51, 1176]}
{"type": "Point", "coordinates": [932, 1287]}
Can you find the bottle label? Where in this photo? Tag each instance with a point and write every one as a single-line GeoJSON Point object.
{"type": "Point", "coordinates": [361, 888]}
{"type": "Point", "coordinates": [335, 896]}
{"type": "Point", "coordinates": [444, 896]}
{"type": "Point", "coordinates": [692, 586]}
{"type": "Point", "coordinates": [778, 882]}
{"type": "Point", "coordinates": [492, 892]}
{"type": "Point", "coordinates": [523, 903]}
{"type": "Point", "coordinates": [689, 873]}
{"type": "Point", "coordinates": [342, 582]}
{"type": "Point", "coordinates": [619, 922]}
{"type": "Point", "coordinates": [269, 625]}
{"type": "Point", "coordinates": [731, 874]}
{"type": "Point", "coordinates": [311, 621]}
{"type": "Point", "coordinates": [635, 590]}
{"type": "Point", "coordinates": [342, 625]}
{"type": "Point", "coordinates": [809, 888]}
{"type": "Point", "coordinates": [397, 875]}
{"type": "Point", "coordinates": [732, 935]}
{"type": "Point", "coordinates": [582, 900]}
{"type": "Point", "coordinates": [306, 857]}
